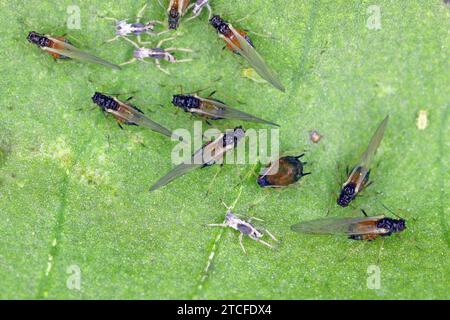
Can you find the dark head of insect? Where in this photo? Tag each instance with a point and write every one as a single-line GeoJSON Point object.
{"type": "Point", "coordinates": [174, 18]}
{"type": "Point", "coordinates": [186, 102]}
{"type": "Point", "coordinates": [38, 39]}
{"type": "Point", "coordinates": [392, 225]}
{"type": "Point", "coordinates": [357, 181]}
{"type": "Point", "coordinates": [286, 171]}
{"type": "Point", "coordinates": [382, 227]}
{"type": "Point", "coordinates": [348, 193]}
{"type": "Point", "coordinates": [105, 102]}
{"type": "Point", "coordinates": [220, 25]}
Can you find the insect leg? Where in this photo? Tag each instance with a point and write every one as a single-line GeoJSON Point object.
{"type": "Point", "coordinates": [271, 235]}
{"type": "Point", "coordinates": [212, 182]}
{"type": "Point", "coordinates": [241, 238]}
{"type": "Point", "coordinates": [109, 18]}
{"type": "Point", "coordinates": [158, 33]}
{"type": "Point", "coordinates": [164, 40]}
{"type": "Point", "coordinates": [208, 6]}
{"type": "Point", "coordinates": [265, 243]}
{"type": "Point", "coordinates": [111, 40]}
{"type": "Point", "coordinates": [161, 5]}
{"type": "Point", "coordinates": [194, 15]}
{"type": "Point", "coordinates": [380, 251]}
{"type": "Point", "coordinates": [132, 42]}
{"type": "Point", "coordinates": [254, 218]}
{"type": "Point", "coordinates": [158, 65]}
{"type": "Point", "coordinates": [182, 60]}
{"type": "Point", "coordinates": [128, 62]}
{"type": "Point", "coordinates": [222, 225]}
{"type": "Point", "coordinates": [141, 13]}
{"type": "Point", "coordinates": [179, 49]}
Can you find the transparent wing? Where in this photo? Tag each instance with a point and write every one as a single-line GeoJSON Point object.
{"type": "Point", "coordinates": [367, 157]}
{"type": "Point", "coordinates": [221, 110]}
{"type": "Point", "coordinates": [70, 51]}
{"type": "Point", "coordinates": [142, 120]}
{"type": "Point", "coordinates": [255, 60]}
{"type": "Point", "coordinates": [176, 172]}
{"type": "Point", "coordinates": [350, 226]}
{"type": "Point", "coordinates": [134, 116]}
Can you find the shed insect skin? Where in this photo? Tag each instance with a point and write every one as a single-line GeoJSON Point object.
{"type": "Point", "coordinates": [157, 53]}
{"type": "Point", "coordinates": [138, 28]}
{"type": "Point", "coordinates": [198, 7]}
{"type": "Point", "coordinates": [358, 179]}
{"type": "Point", "coordinates": [290, 170]}
{"type": "Point", "coordinates": [245, 228]}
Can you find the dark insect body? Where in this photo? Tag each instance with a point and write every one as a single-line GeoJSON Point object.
{"type": "Point", "coordinates": [45, 42]}
{"type": "Point", "coordinates": [239, 42]}
{"type": "Point", "coordinates": [224, 29]}
{"type": "Point", "coordinates": [177, 8]}
{"type": "Point", "coordinates": [367, 228]}
{"type": "Point", "coordinates": [213, 109]}
{"type": "Point", "coordinates": [358, 179]}
{"type": "Point", "coordinates": [60, 48]}
{"type": "Point", "coordinates": [290, 170]}
{"type": "Point", "coordinates": [126, 113]}
{"type": "Point", "coordinates": [388, 224]}
{"type": "Point", "coordinates": [207, 155]}
{"type": "Point", "coordinates": [348, 192]}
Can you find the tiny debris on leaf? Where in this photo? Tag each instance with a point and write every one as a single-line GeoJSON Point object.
{"type": "Point", "coordinates": [422, 120]}
{"type": "Point", "coordinates": [314, 136]}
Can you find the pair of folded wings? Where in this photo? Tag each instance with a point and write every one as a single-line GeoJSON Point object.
{"type": "Point", "coordinates": [68, 50]}
{"type": "Point", "coordinates": [208, 154]}
{"type": "Point", "coordinates": [349, 226]}
{"type": "Point", "coordinates": [254, 59]}
{"type": "Point", "coordinates": [217, 109]}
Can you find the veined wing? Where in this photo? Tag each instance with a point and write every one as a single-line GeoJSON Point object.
{"type": "Point", "coordinates": [221, 110]}
{"type": "Point", "coordinates": [134, 116]}
{"type": "Point", "coordinates": [255, 60]}
{"type": "Point", "coordinates": [349, 226]}
{"type": "Point", "coordinates": [176, 172]}
{"type": "Point", "coordinates": [367, 157]}
{"type": "Point", "coordinates": [70, 51]}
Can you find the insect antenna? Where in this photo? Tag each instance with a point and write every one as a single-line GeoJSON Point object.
{"type": "Point", "coordinates": [384, 206]}
{"type": "Point", "coordinates": [229, 208]}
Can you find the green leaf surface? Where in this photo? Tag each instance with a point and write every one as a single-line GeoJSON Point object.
{"type": "Point", "coordinates": [74, 187]}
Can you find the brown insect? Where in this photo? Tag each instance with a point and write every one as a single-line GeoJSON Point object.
{"type": "Point", "coordinates": [366, 228]}
{"type": "Point", "coordinates": [60, 48]}
{"type": "Point", "coordinates": [286, 171]}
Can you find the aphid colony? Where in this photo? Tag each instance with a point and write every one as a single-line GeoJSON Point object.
{"type": "Point", "coordinates": [281, 173]}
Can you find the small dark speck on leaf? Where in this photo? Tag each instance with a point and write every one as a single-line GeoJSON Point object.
{"type": "Point", "coordinates": [5, 148]}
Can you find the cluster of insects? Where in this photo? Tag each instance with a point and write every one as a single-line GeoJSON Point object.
{"type": "Point", "coordinates": [281, 173]}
